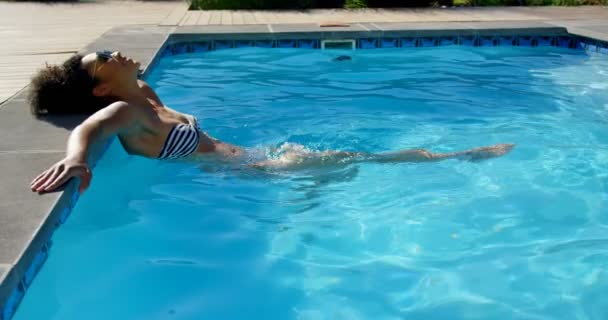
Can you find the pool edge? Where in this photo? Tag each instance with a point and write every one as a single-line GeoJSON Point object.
{"type": "Point", "coordinates": [18, 270]}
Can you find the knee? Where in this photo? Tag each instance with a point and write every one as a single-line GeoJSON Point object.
{"type": "Point", "coordinates": [424, 154]}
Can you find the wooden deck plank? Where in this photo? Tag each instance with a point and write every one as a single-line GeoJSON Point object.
{"type": "Point", "coordinates": [237, 17]}
{"type": "Point", "coordinates": [191, 18]}
{"type": "Point", "coordinates": [248, 17]}
{"type": "Point", "coordinates": [177, 14]}
{"type": "Point", "coordinates": [204, 18]}
{"type": "Point", "coordinates": [226, 17]}
{"type": "Point", "coordinates": [216, 17]}
{"type": "Point", "coordinates": [31, 32]}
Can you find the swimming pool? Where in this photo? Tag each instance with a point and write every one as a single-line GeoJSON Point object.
{"type": "Point", "coordinates": [518, 237]}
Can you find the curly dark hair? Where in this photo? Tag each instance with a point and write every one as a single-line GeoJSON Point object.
{"type": "Point", "coordinates": [65, 89]}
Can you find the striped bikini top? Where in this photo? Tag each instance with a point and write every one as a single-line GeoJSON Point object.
{"type": "Point", "coordinates": [183, 140]}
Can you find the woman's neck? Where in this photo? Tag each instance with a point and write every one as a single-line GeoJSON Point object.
{"type": "Point", "coordinates": [131, 92]}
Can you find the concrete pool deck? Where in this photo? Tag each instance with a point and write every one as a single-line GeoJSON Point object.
{"type": "Point", "coordinates": [29, 145]}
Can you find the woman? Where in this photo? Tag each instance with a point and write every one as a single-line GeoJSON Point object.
{"type": "Point", "coordinates": [105, 84]}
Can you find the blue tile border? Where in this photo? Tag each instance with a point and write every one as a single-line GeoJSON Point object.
{"type": "Point", "coordinates": [11, 304]}
{"type": "Point", "coordinates": [286, 43]}
{"type": "Point", "coordinates": [591, 45]}
{"type": "Point", "coordinates": [244, 43]}
{"type": "Point", "coordinates": [564, 42]}
{"type": "Point", "coordinates": [467, 41]}
{"type": "Point", "coordinates": [200, 46]}
{"type": "Point", "coordinates": [486, 41]}
{"type": "Point", "coordinates": [545, 41]}
{"type": "Point", "coordinates": [568, 41]}
{"type": "Point", "coordinates": [308, 44]}
{"type": "Point", "coordinates": [389, 43]}
{"type": "Point", "coordinates": [369, 43]}
{"type": "Point", "coordinates": [525, 41]}
{"type": "Point", "coordinates": [427, 42]}
{"type": "Point", "coordinates": [265, 43]}
{"type": "Point", "coordinates": [506, 41]}
{"type": "Point", "coordinates": [448, 41]}
{"type": "Point", "coordinates": [408, 42]}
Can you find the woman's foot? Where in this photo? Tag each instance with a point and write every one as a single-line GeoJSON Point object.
{"type": "Point", "coordinates": [488, 152]}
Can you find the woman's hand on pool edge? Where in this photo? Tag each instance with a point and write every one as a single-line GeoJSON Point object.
{"type": "Point", "coordinates": [60, 173]}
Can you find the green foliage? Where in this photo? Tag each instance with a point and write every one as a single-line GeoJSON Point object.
{"type": "Point", "coordinates": [396, 3]}
{"type": "Point", "coordinates": [564, 2]}
{"type": "Point", "coordinates": [42, 1]}
{"type": "Point", "coordinates": [495, 2]}
{"type": "Point", "coordinates": [354, 4]}
{"type": "Point", "coordinates": [305, 4]}
{"type": "Point", "coordinates": [400, 3]}
{"type": "Point", "coordinates": [530, 2]}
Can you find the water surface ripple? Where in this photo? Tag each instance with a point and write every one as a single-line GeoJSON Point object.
{"type": "Point", "coordinates": [524, 236]}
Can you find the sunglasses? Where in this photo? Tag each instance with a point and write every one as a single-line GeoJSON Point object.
{"type": "Point", "coordinates": [104, 56]}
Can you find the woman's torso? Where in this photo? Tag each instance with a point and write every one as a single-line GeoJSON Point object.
{"type": "Point", "coordinates": [154, 125]}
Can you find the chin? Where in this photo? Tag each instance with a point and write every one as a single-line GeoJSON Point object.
{"type": "Point", "coordinates": [135, 68]}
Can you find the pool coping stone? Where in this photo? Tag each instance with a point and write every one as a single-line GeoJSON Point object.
{"type": "Point", "coordinates": [28, 220]}
{"type": "Point", "coordinates": [358, 30]}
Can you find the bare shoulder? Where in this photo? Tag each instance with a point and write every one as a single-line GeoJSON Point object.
{"type": "Point", "coordinates": [117, 118]}
{"type": "Point", "coordinates": [120, 108]}
{"type": "Point", "coordinates": [119, 105]}
{"type": "Point", "coordinates": [117, 111]}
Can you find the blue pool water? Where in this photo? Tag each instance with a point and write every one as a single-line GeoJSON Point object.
{"type": "Point", "coordinates": [524, 236]}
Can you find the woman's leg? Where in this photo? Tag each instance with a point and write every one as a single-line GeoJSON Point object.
{"type": "Point", "coordinates": [421, 155]}
{"type": "Point", "coordinates": [297, 159]}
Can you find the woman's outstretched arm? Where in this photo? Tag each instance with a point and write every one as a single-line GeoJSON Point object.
{"type": "Point", "coordinates": [103, 124]}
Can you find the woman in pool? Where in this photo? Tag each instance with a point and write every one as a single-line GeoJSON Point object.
{"type": "Point", "coordinates": [106, 85]}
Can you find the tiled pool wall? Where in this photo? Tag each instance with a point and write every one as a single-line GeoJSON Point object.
{"type": "Point", "coordinates": [62, 210]}
{"type": "Point", "coordinates": [179, 45]}
{"type": "Point", "coordinates": [565, 41]}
